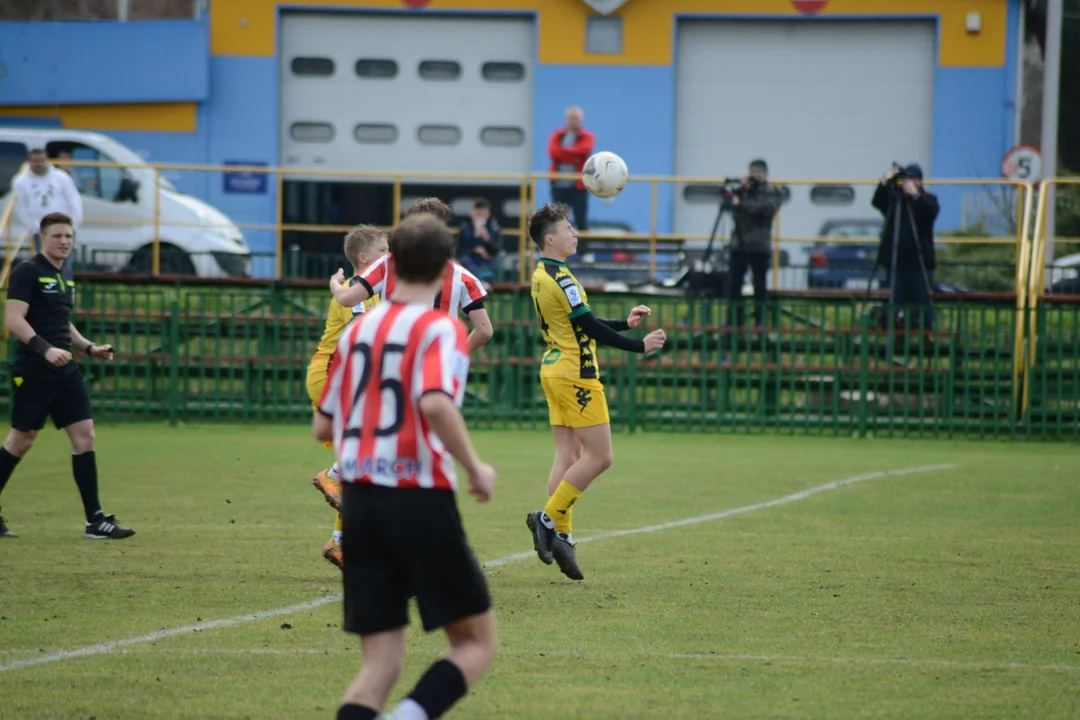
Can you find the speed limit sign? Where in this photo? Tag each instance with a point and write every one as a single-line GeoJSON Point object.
{"type": "Point", "coordinates": [1023, 163]}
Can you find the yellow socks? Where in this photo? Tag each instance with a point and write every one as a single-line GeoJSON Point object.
{"type": "Point", "coordinates": [560, 505]}
{"type": "Point", "coordinates": [337, 530]}
{"type": "Point", "coordinates": [563, 523]}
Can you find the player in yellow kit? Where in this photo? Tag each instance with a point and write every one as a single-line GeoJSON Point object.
{"type": "Point", "coordinates": [570, 377]}
{"type": "Point", "coordinates": [363, 246]}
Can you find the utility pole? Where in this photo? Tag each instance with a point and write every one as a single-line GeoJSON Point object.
{"type": "Point", "coordinates": [1051, 91]}
{"type": "Point", "coordinates": [122, 10]}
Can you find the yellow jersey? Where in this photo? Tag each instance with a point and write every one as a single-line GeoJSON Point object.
{"type": "Point", "coordinates": [337, 317]}
{"type": "Point", "coordinates": [559, 299]}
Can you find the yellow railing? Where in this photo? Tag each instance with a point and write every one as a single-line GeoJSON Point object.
{"type": "Point", "coordinates": [527, 194]}
{"type": "Point", "coordinates": [1036, 277]}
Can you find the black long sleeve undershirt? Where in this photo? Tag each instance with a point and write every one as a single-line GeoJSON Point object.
{"type": "Point", "coordinates": [606, 332]}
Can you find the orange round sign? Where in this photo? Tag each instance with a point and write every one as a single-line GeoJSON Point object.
{"type": "Point", "coordinates": [809, 7]}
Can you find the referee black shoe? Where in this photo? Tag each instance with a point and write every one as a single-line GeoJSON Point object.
{"type": "Point", "coordinates": [543, 537]}
{"type": "Point", "coordinates": [4, 532]}
{"type": "Point", "coordinates": [563, 550]}
{"type": "Point", "coordinates": [107, 528]}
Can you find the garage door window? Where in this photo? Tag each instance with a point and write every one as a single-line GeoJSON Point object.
{"type": "Point", "coordinates": [312, 66]}
{"type": "Point", "coordinates": [439, 135]}
{"type": "Point", "coordinates": [503, 71]}
{"type": "Point", "coordinates": [376, 68]}
{"type": "Point", "coordinates": [702, 194]}
{"type": "Point", "coordinates": [502, 136]}
{"type": "Point", "coordinates": [832, 195]}
{"type": "Point", "coordinates": [314, 132]}
{"type": "Point", "coordinates": [440, 69]}
{"type": "Point", "coordinates": [379, 133]}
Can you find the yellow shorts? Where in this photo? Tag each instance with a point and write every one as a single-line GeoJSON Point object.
{"type": "Point", "coordinates": [575, 403]}
{"type": "Point", "coordinates": [317, 374]}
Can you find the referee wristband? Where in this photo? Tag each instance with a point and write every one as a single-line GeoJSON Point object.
{"type": "Point", "coordinates": [39, 345]}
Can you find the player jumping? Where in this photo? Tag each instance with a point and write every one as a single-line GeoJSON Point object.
{"type": "Point", "coordinates": [392, 409]}
{"type": "Point", "coordinates": [364, 245]}
{"type": "Point", "coordinates": [570, 377]}
{"type": "Point", "coordinates": [461, 291]}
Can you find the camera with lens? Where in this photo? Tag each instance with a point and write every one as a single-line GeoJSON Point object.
{"type": "Point", "coordinates": [731, 188]}
{"type": "Point", "coordinates": [901, 173]}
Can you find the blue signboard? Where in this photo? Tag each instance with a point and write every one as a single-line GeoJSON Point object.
{"type": "Point", "coordinates": [246, 181]}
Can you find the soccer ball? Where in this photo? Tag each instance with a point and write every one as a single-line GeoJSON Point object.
{"type": "Point", "coordinates": [604, 174]}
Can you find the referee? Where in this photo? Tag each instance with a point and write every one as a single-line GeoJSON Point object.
{"type": "Point", "coordinates": [46, 381]}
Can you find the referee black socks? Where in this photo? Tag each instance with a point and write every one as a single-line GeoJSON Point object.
{"type": "Point", "coordinates": [356, 712]}
{"type": "Point", "coordinates": [436, 692]}
{"type": "Point", "coordinates": [84, 465]}
{"type": "Point", "coordinates": [7, 466]}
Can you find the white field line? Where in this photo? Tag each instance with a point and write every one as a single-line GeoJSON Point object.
{"type": "Point", "coordinates": [102, 648]}
{"type": "Point", "coordinates": [720, 657]}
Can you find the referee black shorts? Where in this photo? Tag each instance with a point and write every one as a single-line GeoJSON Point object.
{"type": "Point", "coordinates": [400, 544]}
{"type": "Point", "coordinates": [40, 393]}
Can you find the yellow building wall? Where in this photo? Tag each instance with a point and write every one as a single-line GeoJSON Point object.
{"type": "Point", "coordinates": [249, 27]}
{"type": "Point", "coordinates": [152, 117]}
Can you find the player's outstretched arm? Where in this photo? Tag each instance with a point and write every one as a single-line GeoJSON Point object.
{"type": "Point", "coordinates": [346, 295]}
{"type": "Point", "coordinates": [604, 335]}
{"type": "Point", "coordinates": [482, 330]}
{"type": "Point", "coordinates": [445, 419]}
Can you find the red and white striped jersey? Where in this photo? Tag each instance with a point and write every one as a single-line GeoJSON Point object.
{"type": "Point", "coordinates": [386, 360]}
{"type": "Point", "coordinates": [461, 290]}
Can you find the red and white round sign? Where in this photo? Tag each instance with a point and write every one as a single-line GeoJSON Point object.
{"type": "Point", "coordinates": [1022, 163]}
{"type": "Point", "coordinates": [809, 7]}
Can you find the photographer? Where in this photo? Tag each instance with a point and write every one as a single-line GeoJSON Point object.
{"type": "Point", "coordinates": [754, 204]}
{"type": "Point", "coordinates": [901, 191]}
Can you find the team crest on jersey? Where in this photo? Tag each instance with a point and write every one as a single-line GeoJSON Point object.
{"type": "Point", "coordinates": [572, 294]}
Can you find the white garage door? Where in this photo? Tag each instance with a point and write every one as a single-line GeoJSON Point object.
{"type": "Point", "coordinates": [407, 93]}
{"type": "Point", "coordinates": [831, 100]}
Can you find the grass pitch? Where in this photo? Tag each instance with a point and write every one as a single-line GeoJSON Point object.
{"type": "Point", "coordinates": [943, 593]}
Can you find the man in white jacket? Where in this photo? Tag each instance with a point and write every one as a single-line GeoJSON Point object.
{"type": "Point", "coordinates": [43, 189]}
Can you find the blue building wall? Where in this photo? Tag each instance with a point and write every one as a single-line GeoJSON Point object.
{"type": "Point", "coordinates": [104, 62]}
{"type": "Point", "coordinates": [644, 136]}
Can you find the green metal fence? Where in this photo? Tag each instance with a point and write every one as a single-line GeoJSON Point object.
{"type": "Point", "coordinates": [833, 366]}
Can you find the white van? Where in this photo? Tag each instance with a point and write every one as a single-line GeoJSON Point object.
{"type": "Point", "coordinates": [117, 232]}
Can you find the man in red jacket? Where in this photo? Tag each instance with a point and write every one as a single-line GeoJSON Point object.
{"type": "Point", "coordinates": [569, 148]}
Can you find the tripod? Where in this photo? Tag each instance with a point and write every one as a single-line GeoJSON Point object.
{"type": "Point", "coordinates": [898, 205]}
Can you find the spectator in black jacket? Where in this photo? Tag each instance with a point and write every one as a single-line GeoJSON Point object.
{"type": "Point", "coordinates": [915, 257]}
{"type": "Point", "coordinates": [753, 207]}
{"type": "Point", "coordinates": [478, 242]}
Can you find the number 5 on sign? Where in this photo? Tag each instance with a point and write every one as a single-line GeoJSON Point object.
{"type": "Point", "coordinates": [1022, 163]}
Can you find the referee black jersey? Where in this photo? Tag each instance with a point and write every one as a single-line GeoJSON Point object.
{"type": "Point", "coordinates": [50, 299]}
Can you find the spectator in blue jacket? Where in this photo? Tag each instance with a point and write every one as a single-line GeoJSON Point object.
{"type": "Point", "coordinates": [478, 242]}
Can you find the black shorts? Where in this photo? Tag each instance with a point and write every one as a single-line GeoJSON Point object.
{"type": "Point", "coordinates": [40, 393]}
{"type": "Point", "coordinates": [399, 544]}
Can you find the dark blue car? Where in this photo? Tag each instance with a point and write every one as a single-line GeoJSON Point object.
{"type": "Point", "coordinates": [846, 265]}
{"type": "Point", "coordinates": [850, 265]}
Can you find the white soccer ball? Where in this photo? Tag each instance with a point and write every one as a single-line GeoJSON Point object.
{"type": "Point", "coordinates": [605, 174]}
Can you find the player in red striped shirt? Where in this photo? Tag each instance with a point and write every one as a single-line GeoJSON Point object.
{"type": "Point", "coordinates": [392, 409]}
{"type": "Point", "coordinates": [460, 292]}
